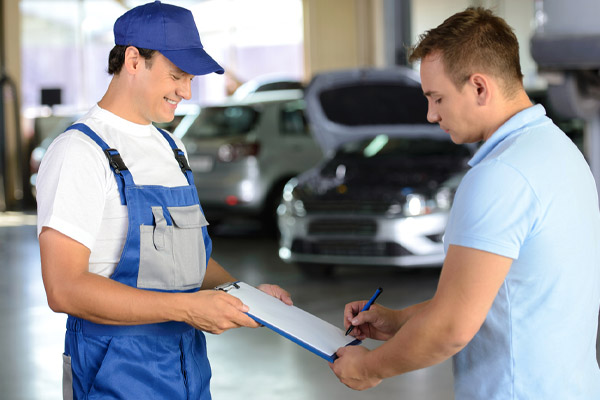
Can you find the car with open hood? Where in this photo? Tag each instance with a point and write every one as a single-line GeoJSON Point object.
{"type": "Point", "coordinates": [380, 196]}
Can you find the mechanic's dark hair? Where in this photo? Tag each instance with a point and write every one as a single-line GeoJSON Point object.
{"type": "Point", "coordinates": [116, 58]}
{"type": "Point", "coordinates": [471, 41]}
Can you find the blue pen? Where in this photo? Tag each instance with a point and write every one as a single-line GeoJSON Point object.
{"type": "Point", "coordinates": [367, 306]}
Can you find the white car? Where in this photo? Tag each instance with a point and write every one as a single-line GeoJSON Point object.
{"type": "Point", "coordinates": [243, 152]}
{"type": "Point", "coordinates": [378, 197]}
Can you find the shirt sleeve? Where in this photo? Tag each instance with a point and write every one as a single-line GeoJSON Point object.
{"type": "Point", "coordinates": [71, 188]}
{"type": "Point", "coordinates": [494, 210]}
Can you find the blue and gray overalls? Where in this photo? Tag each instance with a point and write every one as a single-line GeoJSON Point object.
{"type": "Point", "coordinates": [167, 249]}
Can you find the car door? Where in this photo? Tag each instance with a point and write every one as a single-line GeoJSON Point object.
{"type": "Point", "coordinates": [300, 151]}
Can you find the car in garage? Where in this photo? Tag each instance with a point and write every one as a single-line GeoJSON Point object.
{"type": "Point", "coordinates": [243, 152]}
{"type": "Point", "coordinates": [382, 194]}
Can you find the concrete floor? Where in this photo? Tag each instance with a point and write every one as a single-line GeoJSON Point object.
{"type": "Point", "coordinates": [247, 363]}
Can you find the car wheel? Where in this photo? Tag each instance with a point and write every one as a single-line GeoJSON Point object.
{"type": "Point", "coordinates": [311, 270]}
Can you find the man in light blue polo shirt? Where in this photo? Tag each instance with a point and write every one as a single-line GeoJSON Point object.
{"type": "Point", "coordinates": [519, 293]}
{"type": "Point", "coordinates": [531, 198]}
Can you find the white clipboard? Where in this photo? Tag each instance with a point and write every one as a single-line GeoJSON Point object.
{"type": "Point", "coordinates": [291, 322]}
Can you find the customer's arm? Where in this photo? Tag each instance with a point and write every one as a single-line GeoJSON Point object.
{"type": "Point", "coordinates": [379, 322]}
{"type": "Point", "coordinates": [469, 282]}
{"type": "Point", "coordinates": [72, 289]}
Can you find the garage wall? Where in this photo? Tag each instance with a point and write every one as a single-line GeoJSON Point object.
{"type": "Point", "coordinates": [427, 14]}
{"type": "Point", "coordinates": [358, 31]}
{"type": "Point", "coordinates": [354, 32]}
{"type": "Point", "coordinates": [11, 45]}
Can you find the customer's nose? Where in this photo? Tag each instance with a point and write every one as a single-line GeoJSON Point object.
{"type": "Point", "coordinates": [433, 115]}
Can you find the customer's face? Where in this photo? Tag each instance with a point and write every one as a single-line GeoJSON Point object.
{"type": "Point", "coordinates": [453, 109]}
{"type": "Point", "coordinates": [160, 89]}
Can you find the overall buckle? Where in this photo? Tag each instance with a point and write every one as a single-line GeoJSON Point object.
{"type": "Point", "coordinates": [183, 163]}
{"type": "Point", "coordinates": [115, 161]}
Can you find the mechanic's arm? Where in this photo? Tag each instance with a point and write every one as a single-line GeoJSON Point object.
{"type": "Point", "coordinates": [469, 282]}
{"type": "Point", "coordinates": [72, 289]}
{"type": "Point", "coordinates": [215, 275]}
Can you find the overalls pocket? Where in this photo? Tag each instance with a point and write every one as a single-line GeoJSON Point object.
{"type": "Point", "coordinates": [172, 252]}
{"type": "Point", "coordinates": [67, 381]}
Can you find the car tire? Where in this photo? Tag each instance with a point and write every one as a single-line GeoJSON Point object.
{"type": "Point", "coordinates": [318, 271]}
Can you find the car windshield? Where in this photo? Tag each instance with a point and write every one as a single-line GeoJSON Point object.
{"type": "Point", "coordinates": [405, 147]}
{"type": "Point", "coordinates": [223, 121]}
{"type": "Point", "coordinates": [375, 104]}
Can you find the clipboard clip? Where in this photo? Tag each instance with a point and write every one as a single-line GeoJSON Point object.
{"type": "Point", "coordinates": [226, 287]}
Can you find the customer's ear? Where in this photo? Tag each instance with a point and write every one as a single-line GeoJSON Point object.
{"type": "Point", "coordinates": [481, 86]}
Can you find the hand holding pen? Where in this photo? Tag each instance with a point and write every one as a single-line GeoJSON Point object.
{"type": "Point", "coordinates": [366, 307]}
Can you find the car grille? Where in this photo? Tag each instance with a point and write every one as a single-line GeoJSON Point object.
{"type": "Point", "coordinates": [353, 206]}
{"type": "Point", "coordinates": [349, 248]}
{"type": "Point", "coordinates": [342, 227]}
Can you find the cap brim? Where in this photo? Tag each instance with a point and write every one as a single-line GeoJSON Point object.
{"type": "Point", "coordinates": [194, 61]}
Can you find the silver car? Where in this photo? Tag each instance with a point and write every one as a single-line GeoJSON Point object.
{"type": "Point", "coordinates": [243, 152]}
{"type": "Point", "coordinates": [379, 197]}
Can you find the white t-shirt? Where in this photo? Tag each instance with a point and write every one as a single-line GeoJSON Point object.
{"type": "Point", "coordinates": [77, 193]}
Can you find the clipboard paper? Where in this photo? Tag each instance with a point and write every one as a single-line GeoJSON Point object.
{"type": "Point", "coordinates": [291, 322]}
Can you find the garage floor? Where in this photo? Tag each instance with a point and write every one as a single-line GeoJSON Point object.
{"type": "Point", "coordinates": [247, 363]}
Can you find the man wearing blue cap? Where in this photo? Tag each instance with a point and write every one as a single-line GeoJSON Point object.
{"type": "Point", "coordinates": [123, 241]}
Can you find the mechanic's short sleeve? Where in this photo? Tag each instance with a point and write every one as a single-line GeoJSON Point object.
{"type": "Point", "coordinates": [71, 188]}
{"type": "Point", "coordinates": [494, 210]}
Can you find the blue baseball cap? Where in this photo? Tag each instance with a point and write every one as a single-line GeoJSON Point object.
{"type": "Point", "coordinates": [169, 29]}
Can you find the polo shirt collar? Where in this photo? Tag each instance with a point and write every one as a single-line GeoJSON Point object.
{"type": "Point", "coordinates": [511, 127]}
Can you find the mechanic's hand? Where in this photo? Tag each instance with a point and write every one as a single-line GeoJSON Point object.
{"type": "Point", "coordinates": [377, 322]}
{"type": "Point", "coordinates": [277, 292]}
{"type": "Point", "coordinates": [216, 311]}
{"type": "Point", "coordinates": [350, 368]}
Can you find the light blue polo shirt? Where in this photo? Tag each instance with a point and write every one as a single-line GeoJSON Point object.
{"type": "Point", "coordinates": [530, 196]}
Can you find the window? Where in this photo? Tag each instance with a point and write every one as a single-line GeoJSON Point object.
{"type": "Point", "coordinates": [65, 45]}
{"type": "Point", "coordinates": [383, 103]}
{"type": "Point", "coordinates": [292, 119]}
{"type": "Point", "coordinates": [222, 122]}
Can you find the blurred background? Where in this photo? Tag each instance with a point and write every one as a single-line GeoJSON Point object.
{"type": "Point", "coordinates": [313, 158]}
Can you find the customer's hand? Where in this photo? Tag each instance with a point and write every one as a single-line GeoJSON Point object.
{"type": "Point", "coordinates": [351, 369]}
{"type": "Point", "coordinates": [377, 322]}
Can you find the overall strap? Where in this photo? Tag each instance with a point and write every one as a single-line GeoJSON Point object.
{"type": "Point", "coordinates": [180, 157]}
{"type": "Point", "coordinates": [122, 174]}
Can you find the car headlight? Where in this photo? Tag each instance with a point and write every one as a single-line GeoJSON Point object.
{"type": "Point", "coordinates": [395, 209]}
{"type": "Point", "coordinates": [416, 204]}
{"type": "Point", "coordinates": [443, 198]}
{"type": "Point", "coordinates": [298, 208]}
{"type": "Point", "coordinates": [290, 203]}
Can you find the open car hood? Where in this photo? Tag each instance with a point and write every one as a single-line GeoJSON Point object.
{"type": "Point", "coordinates": [349, 105]}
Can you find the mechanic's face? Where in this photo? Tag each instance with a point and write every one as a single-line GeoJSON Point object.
{"type": "Point", "coordinates": [160, 89]}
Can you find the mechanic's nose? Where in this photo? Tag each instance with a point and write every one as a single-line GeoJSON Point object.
{"type": "Point", "coordinates": [185, 89]}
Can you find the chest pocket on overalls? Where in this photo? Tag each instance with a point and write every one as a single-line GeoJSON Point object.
{"type": "Point", "coordinates": [172, 252]}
